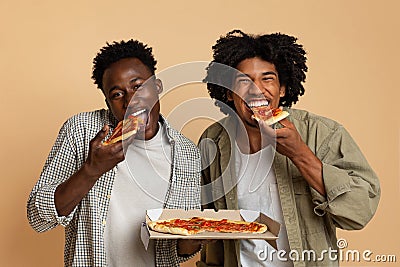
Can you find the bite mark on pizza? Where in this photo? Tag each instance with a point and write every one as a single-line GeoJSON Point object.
{"type": "Point", "coordinates": [262, 111]}
{"type": "Point", "coordinates": [126, 128]}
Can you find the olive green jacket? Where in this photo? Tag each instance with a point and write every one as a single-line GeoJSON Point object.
{"type": "Point", "coordinates": [352, 188]}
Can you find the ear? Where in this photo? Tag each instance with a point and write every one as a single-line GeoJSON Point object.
{"type": "Point", "coordinates": [282, 91]}
{"type": "Point", "coordinates": [159, 86]}
{"type": "Point", "coordinates": [229, 95]}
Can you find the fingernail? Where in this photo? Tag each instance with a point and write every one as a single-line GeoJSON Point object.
{"type": "Point", "coordinates": [104, 128]}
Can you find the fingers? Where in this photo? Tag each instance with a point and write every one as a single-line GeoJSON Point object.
{"type": "Point", "coordinates": [286, 123]}
{"type": "Point", "coordinates": [102, 158]}
{"type": "Point", "coordinates": [100, 135]}
{"type": "Point", "coordinates": [287, 130]}
{"type": "Point", "coordinates": [106, 151]}
{"type": "Point", "coordinates": [273, 135]}
{"type": "Point", "coordinates": [119, 155]}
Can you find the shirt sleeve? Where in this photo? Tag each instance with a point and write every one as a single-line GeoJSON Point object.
{"type": "Point", "coordinates": [352, 187]}
{"type": "Point", "coordinates": [60, 165]}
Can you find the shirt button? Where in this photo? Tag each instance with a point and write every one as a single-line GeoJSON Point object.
{"type": "Point", "coordinates": [104, 222]}
{"type": "Point", "coordinates": [108, 196]}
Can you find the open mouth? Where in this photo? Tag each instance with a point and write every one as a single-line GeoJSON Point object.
{"type": "Point", "coordinates": [257, 103]}
{"type": "Point", "coordinates": [137, 113]}
{"type": "Point", "coordinates": [259, 108]}
{"type": "Point", "coordinates": [142, 115]}
{"type": "Point", "coordinates": [254, 104]}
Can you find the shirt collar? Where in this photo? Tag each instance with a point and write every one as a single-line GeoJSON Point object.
{"type": "Point", "coordinates": [168, 128]}
{"type": "Point", "coordinates": [110, 119]}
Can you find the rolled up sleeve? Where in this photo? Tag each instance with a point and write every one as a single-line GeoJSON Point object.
{"type": "Point", "coordinates": [352, 187]}
{"type": "Point", "coordinates": [60, 165]}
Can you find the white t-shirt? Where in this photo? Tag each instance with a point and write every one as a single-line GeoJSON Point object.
{"type": "Point", "coordinates": [257, 190]}
{"type": "Point", "coordinates": [141, 183]}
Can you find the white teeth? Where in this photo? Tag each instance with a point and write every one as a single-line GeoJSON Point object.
{"type": "Point", "coordinates": [138, 112]}
{"type": "Point", "coordinates": [258, 103]}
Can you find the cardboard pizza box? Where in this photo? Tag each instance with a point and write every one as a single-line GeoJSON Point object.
{"type": "Point", "coordinates": [238, 215]}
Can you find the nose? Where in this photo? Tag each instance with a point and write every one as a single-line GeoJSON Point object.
{"type": "Point", "coordinates": [255, 88]}
{"type": "Point", "coordinates": [128, 98]}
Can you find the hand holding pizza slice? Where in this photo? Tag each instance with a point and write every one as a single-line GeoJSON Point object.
{"type": "Point", "coordinates": [126, 128]}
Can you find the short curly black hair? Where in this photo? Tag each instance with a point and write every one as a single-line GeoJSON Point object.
{"type": "Point", "coordinates": [119, 50]}
{"type": "Point", "coordinates": [279, 49]}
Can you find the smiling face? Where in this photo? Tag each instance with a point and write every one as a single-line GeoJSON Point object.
{"type": "Point", "coordinates": [129, 86]}
{"type": "Point", "coordinates": [256, 83]}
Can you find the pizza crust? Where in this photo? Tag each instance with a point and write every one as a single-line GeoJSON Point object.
{"type": "Point", "coordinates": [156, 226]}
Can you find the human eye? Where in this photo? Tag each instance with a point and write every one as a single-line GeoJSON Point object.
{"type": "Point", "coordinates": [116, 95]}
{"type": "Point", "coordinates": [244, 80]}
{"type": "Point", "coordinates": [138, 86]}
{"type": "Point", "coordinates": [268, 79]}
{"type": "Point", "coordinates": [269, 76]}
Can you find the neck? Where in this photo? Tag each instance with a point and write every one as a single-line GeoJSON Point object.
{"type": "Point", "coordinates": [248, 139]}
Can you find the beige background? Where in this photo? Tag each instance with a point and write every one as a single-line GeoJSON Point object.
{"type": "Point", "coordinates": [46, 53]}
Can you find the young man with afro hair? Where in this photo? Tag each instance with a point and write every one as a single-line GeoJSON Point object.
{"type": "Point", "coordinates": [100, 193]}
{"type": "Point", "coordinates": [306, 171]}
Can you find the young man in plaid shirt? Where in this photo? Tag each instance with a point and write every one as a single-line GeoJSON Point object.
{"type": "Point", "coordinates": [100, 193]}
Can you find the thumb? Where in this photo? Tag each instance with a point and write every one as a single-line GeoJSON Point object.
{"type": "Point", "coordinates": [101, 134]}
{"type": "Point", "coordinates": [266, 129]}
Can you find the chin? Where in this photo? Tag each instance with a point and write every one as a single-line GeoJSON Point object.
{"type": "Point", "coordinates": [151, 131]}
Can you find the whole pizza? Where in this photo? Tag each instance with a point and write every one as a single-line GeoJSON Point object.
{"type": "Point", "coordinates": [196, 225]}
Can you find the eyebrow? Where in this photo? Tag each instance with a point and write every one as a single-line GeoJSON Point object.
{"type": "Point", "coordinates": [240, 74]}
{"type": "Point", "coordinates": [269, 73]}
{"type": "Point", "coordinates": [131, 81]}
{"type": "Point", "coordinates": [113, 88]}
{"type": "Point", "coordinates": [263, 74]}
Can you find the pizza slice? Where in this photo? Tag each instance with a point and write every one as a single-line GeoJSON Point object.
{"type": "Point", "coordinates": [229, 226]}
{"type": "Point", "coordinates": [268, 115]}
{"type": "Point", "coordinates": [126, 128]}
{"type": "Point", "coordinates": [196, 225]}
{"type": "Point", "coordinates": [176, 227]}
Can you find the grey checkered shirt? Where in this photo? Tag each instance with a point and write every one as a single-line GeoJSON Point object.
{"type": "Point", "coordinates": [84, 227]}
